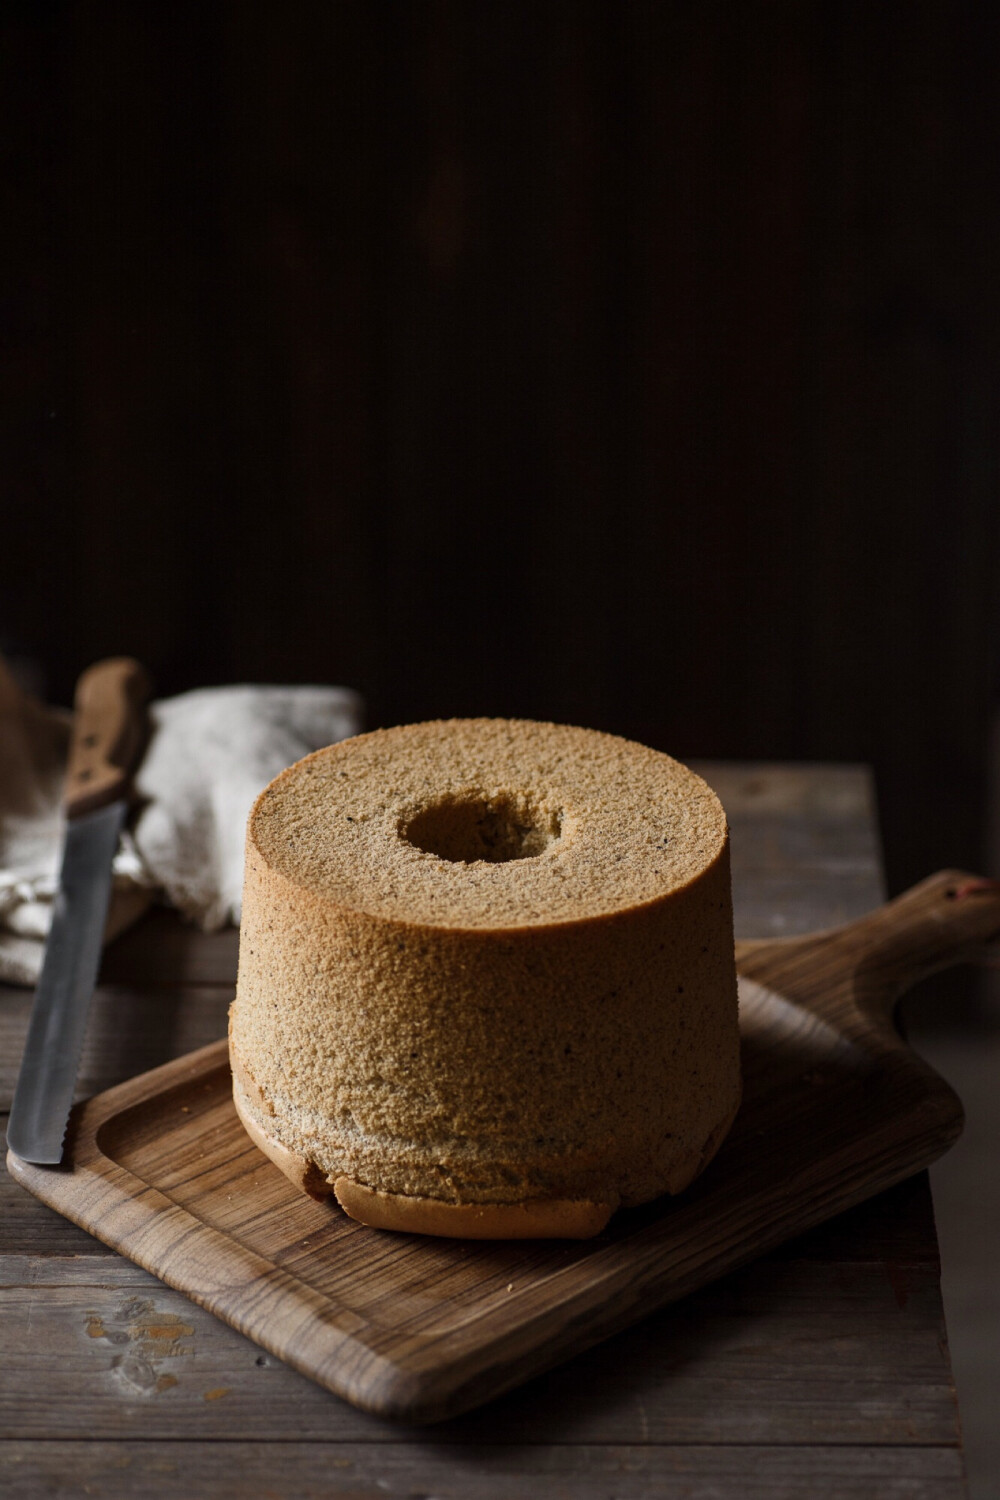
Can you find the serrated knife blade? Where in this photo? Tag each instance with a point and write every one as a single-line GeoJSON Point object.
{"type": "Point", "coordinates": [107, 740]}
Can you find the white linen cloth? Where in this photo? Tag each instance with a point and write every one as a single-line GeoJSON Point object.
{"type": "Point", "coordinates": [210, 752]}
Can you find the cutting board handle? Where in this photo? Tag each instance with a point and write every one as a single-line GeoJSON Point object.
{"type": "Point", "coordinates": [949, 918]}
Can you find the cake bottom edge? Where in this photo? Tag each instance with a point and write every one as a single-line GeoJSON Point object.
{"type": "Point", "coordinates": [534, 1218]}
{"type": "Point", "coordinates": [531, 1218]}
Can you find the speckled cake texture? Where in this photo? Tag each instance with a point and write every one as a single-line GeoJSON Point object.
{"type": "Point", "coordinates": [488, 962]}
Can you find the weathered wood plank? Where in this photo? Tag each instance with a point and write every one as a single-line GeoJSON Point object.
{"type": "Point", "coordinates": [30, 1228]}
{"type": "Point", "coordinates": [130, 1030]}
{"type": "Point", "coordinates": [163, 949]}
{"type": "Point", "coordinates": [846, 1355]}
{"type": "Point", "coordinates": [801, 791]}
{"type": "Point", "coordinates": [794, 905]}
{"type": "Point", "coordinates": [295, 1470]}
{"type": "Point", "coordinates": [805, 850]}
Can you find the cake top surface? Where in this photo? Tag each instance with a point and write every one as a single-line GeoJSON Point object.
{"type": "Point", "coordinates": [488, 823]}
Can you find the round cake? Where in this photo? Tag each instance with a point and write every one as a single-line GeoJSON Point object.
{"type": "Point", "coordinates": [486, 979]}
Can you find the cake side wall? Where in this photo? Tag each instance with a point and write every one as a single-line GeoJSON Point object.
{"type": "Point", "coordinates": [591, 1059]}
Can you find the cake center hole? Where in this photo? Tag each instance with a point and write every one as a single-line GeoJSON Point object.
{"type": "Point", "coordinates": [496, 829]}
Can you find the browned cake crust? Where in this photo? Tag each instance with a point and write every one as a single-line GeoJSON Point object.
{"type": "Point", "coordinates": [552, 1219]}
{"type": "Point", "coordinates": [487, 964]}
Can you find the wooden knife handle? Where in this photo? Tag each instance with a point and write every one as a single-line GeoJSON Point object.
{"type": "Point", "coordinates": [109, 734]}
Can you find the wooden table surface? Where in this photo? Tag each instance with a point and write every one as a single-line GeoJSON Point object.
{"type": "Point", "coordinates": [819, 1371]}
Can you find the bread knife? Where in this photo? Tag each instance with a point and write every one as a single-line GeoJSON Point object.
{"type": "Point", "coordinates": [108, 737]}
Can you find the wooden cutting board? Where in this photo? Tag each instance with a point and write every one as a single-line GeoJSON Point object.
{"type": "Point", "coordinates": [836, 1108]}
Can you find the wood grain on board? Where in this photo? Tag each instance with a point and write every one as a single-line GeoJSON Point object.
{"type": "Point", "coordinates": [835, 1108]}
{"type": "Point", "coordinates": [841, 1329]}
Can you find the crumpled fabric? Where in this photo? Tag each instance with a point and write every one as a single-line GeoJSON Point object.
{"type": "Point", "coordinates": [211, 751]}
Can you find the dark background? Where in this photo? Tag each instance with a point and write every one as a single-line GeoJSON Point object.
{"type": "Point", "coordinates": [625, 364]}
